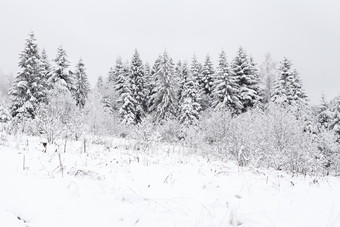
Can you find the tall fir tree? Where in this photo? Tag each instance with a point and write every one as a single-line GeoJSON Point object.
{"type": "Point", "coordinates": [226, 89]}
{"type": "Point", "coordinates": [335, 120]}
{"type": "Point", "coordinates": [100, 84]}
{"type": "Point", "coordinates": [61, 76]}
{"type": "Point", "coordinates": [28, 88]}
{"type": "Point", "coordinates": [138, 85]}
{"type": "Point", "coordinates": [323, 114]}
{"type": "Point", "coordinates": [196, 69]}
{"type": "Point", "coordinates": [164, 100]}
{"type": "Point", "coordinates": [147, 83]}
{"type": "Point", "coordinates": [128, 105]}
{"type": "Point", "coordinates": [288, 88]}
{"type": "Point", "coordinates": [189, 105]}
{"type": "Point", "coordinates": [151, 83]}
{"type": "Point", "coordinates": [207, 77]}
{"type": "Point", "coordinates": [82, 86]}
{"type": "Point", "coordinates": [183, 74]}
{"type": "Point", "coordinates": [117, 76]}
{"type": "Point", "coordinates": [45, 67]}
{"type": "Point", "coordinates": [248, 82]}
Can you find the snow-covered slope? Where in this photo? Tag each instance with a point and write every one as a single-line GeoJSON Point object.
{"type": "Point", "coordinates": [115, 184]}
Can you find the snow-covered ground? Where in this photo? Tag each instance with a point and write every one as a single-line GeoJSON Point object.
{"type": "Point", "coordinates": [115, 184]}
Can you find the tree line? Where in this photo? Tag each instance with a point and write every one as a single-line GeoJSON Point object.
{"type": "Point", "coordinates": [186, 95]}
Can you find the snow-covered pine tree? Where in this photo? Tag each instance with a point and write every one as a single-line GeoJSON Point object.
{"type": "Point", "coordinates": [324, 114]}
{"type": "Point", "coordinates": [164, 100]}
{"type": "Point", "coordinates": [183, 73]}
{"type": "Point", "coordinates": [207, 77]}
{"type": "Point", "coordinates": [189, 106]}
{"type": "Point", "coordinates": [100, 85]}
{"type": "Point", "coordinates": [243, 70]}
{"type": "Point", "coordinates": [117, 76]}
{"type": "Point", "coordinates": [45, 67]}
{"type": "Point", "coordinates": [226, 88]}
{"type": "Point", "coordinates": [60, 75]}
{"type": "Point", "coordinates": [288, 88]}
{"type": "Point", "coordinates": [128, 105]}
{"type": "Point", "coordinates": [195, 70]}
{"type": "Point", "coordinates": [147, 84]}
{"type": "Point", "coordinates": [335, 121]}
{"type": "Point", "coordinates": [151, 83]}
{"type": "Point", "coordinates": [138, 86]}
{"type": "Point", "coordinates": [28, 88]}
{"type": "Point", "coordinates": [299, 96]}
{"type": "Point", "coordinates": [82, 86]}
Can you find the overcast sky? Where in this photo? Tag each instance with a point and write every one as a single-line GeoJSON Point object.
{"type": "Point", "coordinates": [98, 31]}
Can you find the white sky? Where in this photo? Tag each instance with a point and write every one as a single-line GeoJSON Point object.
{"type": "Point", "coordinates": [306, 31]}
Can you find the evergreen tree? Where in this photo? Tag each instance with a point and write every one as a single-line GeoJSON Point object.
{"type": "Point", "coordinates": [324, 114]}
{"type": "Point", "coordinates": [128, 105]}
{"type": "Point", "coordinates": [138, 85]}
{"type": "Point", "coordinates": [100, 85]}
{"type": "Point", "coordinates": [61, 76]}
{"type": "Point", "coordinates": [147, 84]}
{"type": "Point", "coordinates": [243, 70]}
{"type": "Point", "coordinates": [195, 70]}
{"type": "Point", "coordinates": [164, 101]}
{"type": "Point", "coordinates": [28, 88]}
{"type": "Point", "coordinates": [45, 67]}
{"type": "Point", "coordinates": [118, 75]}
{"type": "Point", "coordinates": [189, 106]}
{"type": "Point", "coordinates": [207, 77]}
{"type": "Point", "coordinates": [335, 121]}
{"type": "Point", "coordinates": [226, 89]}
{"type": "Point", "coordinates": [288, 88]}
{"type": "Point", "coordinates": [82, 86]}
{"type": "Point", "coordinates": [183, 74]}
{"type": "Point", "coordinates": [151, 83]}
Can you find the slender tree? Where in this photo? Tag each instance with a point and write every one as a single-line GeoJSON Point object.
{"type": "Point", "coordinates": [60, 75]}
{"type": "Point", "coordinates": [82, 86]}
{"type": "Point", "coordinates": [138, 85]}
{"type": "Point", "coordinates": [243, 70]}
{"type": "Point", "coordinates": [226, 89]}
{"type": "Point", "coordinates": [164, 100]}
{"type": "Point", "coordinates": [28, 88]}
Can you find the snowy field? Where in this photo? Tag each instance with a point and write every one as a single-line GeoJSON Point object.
{"type": "Point", "coordinates": [115, 184]}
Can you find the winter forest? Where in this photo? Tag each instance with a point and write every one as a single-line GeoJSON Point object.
{"type": "Point", "coordinates": [230, 123]}
{"type": "Point", "coordinates": [257, 115]}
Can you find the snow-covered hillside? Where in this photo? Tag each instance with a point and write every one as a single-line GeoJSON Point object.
{"type": "Point", "coordinates": [116, 184]}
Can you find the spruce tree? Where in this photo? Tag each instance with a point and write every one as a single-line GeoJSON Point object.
{"type": "Point", "coordinates": [207, 77]}
{"type": "Point", "coordinates": [128, 105]}
{"type": "Point", "coordinates": [288, 88]}
{"type": "Point", "coordinates": [164, 100]}
{"type": "Point", "coordinates": [28, 88]}
{"type": "Point", "coordinates": [195, 70]}
{"type": "Point", "coordinates": [226, 89]}
{"type": "Point", "coordinates": [117, 76]}
{"type": "Point", "coordinates": [138, 85]}
{"type": "Point", "coordinates": [183, 74]}
{"type": "Point", "coordinates": [61, 76]}
{"type": "Point", "coordinates": [100, 85]}
{"type": "Point", "coordinates": [324, 114]}
{"type": "Point", "coordinates": [82, 86]}
{"type": "Point", "coordinates": [189, 106]}
{"type": "Point", "coordinates": [335, 121]}
{"type": "Point", "coordinates": [243, 70]}
{"type": "Point", "coordinates": [45, 67]}
{"type": "Point", "coordinates": [151, 83]}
